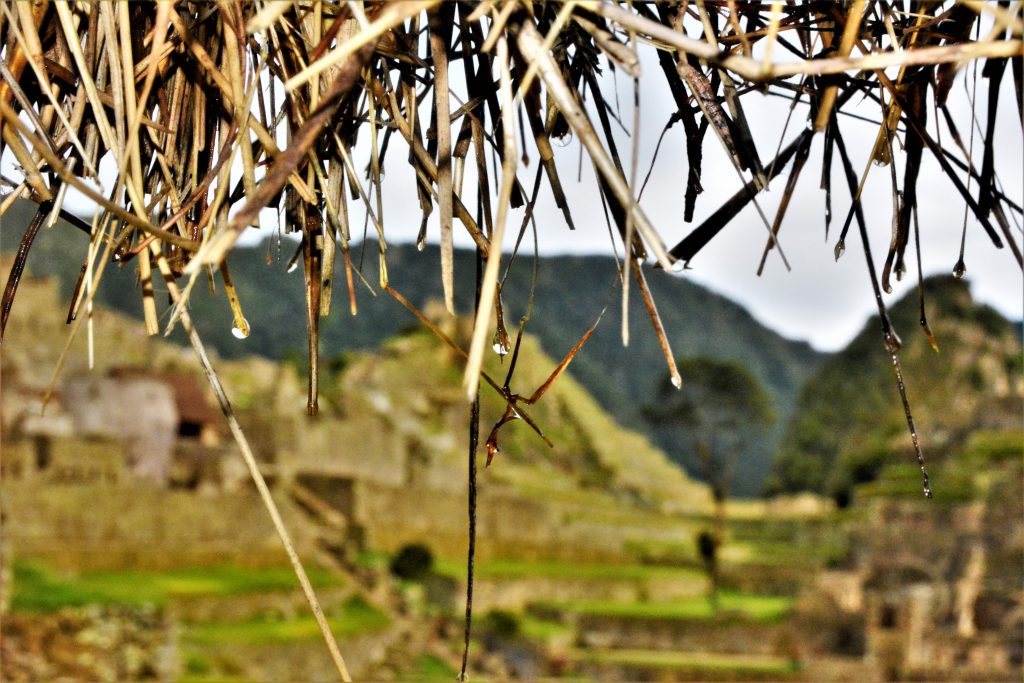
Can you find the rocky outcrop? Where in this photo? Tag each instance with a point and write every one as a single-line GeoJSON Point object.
{"type": "Point", "coordinates": [89, 644]}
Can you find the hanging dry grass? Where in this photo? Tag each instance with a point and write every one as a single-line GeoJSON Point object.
{"type": "Point", "coordinates": [210, 113]}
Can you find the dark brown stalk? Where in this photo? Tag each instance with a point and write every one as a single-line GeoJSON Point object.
{"type": "Point", "coordinates": [561, 367]}
{"type": "Point", "coordinates": [474, 440]}
{"type": "Point", "coordinates": [18, 267]}
{"type": "Point", "coordinates": [616, 208]}
{"type": "Point", "coordinates": [659, 329]}
{"type": "Point", "coordinates": [698, 238]}
{"type": "Point", "coordinates": [802, 153]}
{"type": "Point", "coordinates": [915, 122]}
{"type": "Point", "coordinates": [531, 102]}
{"type": "Point", "coordinates": [694, 132]}
{"type": "Point", "coordinates": [312, 254]}
{"type": "Point", "coordinates": [920, 287]}
{"type": "Point", "coordinates": [826, 174]}
{"type": "Point", "coordinates": [993, 71]}
{"type": "Point", "coordinates": [79, 283]}
{"type": "Point", "coordinates": [889, 337]}
{"type": "Point", "coordinates": [913, 148]}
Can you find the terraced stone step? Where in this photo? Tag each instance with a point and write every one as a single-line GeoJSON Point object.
{"type": "Point", "coordinates": [726, 635]}
{"type": "Point", "coordinates": [733, 607]}
{"type": "Point", "coordinates": [657, 665]}
{"type": "Point", "coordinates": [513, 585]}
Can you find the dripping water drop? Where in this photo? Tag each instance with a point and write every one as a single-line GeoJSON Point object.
{"type": "Point", "coordinates": [241, 332]}
{"type": "Point", "coordinates": [840, 248]}
{"type": "Point", "coordinates": [293, 266]}
{"type": "Point", "coordinates": [500, 349]}
{"type": "Point", "coordinates": [564, 141]}
{"type": "Point", "coordinates": [959, 269]}
{"type": "Point", "coordinates": [677, 381]}
{"type": "Point", "coordinates": [421, 243]}
{"type": "Point", "coordinates": [679, 266]}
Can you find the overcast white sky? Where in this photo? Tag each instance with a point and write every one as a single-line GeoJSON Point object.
{"type": "Point", "coordinates": [821, 301]}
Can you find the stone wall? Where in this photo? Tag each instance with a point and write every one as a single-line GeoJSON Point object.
{"type": "Point", "coordinates": [516, 593]}
{"type": "Point", "coordinates": [101, 527]}
{"type": "Point", "coordinates": [60, 461]}
{"type": "Point", "coordinates": [508, 525]}
{"type": "Point", "coordinates": [359, 447]}
{"type": "Point", "coordinates": [725, 636]}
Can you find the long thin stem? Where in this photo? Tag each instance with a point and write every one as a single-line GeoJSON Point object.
{"type": "Point", "coordinates": [474, 440]}
{"type": "Point", "coordinates": [254, 470]}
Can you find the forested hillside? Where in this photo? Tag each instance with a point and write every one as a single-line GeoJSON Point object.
{"type": "Point", "coordinates": [849, 421]}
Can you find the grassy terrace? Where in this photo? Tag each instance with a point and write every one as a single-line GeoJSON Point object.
{"type": "Point", "coordinates": [36, 589]}
{"type": "Point", "coordinates": [203, 645]}
{"type": "Point", "coordinates": [757, 608]}
{"type": "Point", "coordinates": [430, 668]}
{"type": "Point", "coordinates": [693, 662]}
{"type": "Point", "coordinates": [781, 554]}
{"type": "Point", "coordinates": [543, 630]}
{"type": "Point", "coordinates": [354, 617]}
{"type": "Point", "coordinates": [514, 569]}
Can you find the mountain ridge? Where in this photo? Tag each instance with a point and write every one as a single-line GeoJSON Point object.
{"type": "Point", "coordinates": [850, 422]}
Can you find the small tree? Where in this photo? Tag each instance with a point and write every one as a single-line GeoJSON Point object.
{"type": "Point", "coordinates": [721, 409]}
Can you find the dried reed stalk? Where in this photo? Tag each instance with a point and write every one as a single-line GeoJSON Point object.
{"type": "Point", "coordinates": [188, 102]}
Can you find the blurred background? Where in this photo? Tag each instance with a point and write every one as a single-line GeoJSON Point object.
{"type": "Point", "coordinates": [766, 523]}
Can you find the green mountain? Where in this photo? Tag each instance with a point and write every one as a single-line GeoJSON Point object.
{"type": "Point", "coordinates": [571, 292]}
{"type": "Point", "coordinates": [850, 424]}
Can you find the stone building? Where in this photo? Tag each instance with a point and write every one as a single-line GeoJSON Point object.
{"type": "Point", "coordinates": [932, 593]}
{"type": "Point", "coordinates": [148, 412]}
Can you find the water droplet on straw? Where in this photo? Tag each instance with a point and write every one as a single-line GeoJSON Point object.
{"type": "Point", "coordinates": [293, 266]}
{"type": "Point", "coordinates": [893, 343]}
{"type": "Point", "coordinates": [421, 243]}
{"type": "Point", "coordinates": [500, 349]}
{"type": "Point", "coordinates": [677, 381]}
{"type": "Point", "coordinates": [840, 249]}
{"type": "Point", "coordinates": [959, 269]}
{"type": "Point", "coordinates": [241, 332]}
{"type": "Point", "coordinates": [678, 266]}
{"type": "Point", "coordinates": [564, 141]}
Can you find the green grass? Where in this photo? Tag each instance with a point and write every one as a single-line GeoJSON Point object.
{"type": "Point", "coordinates": [758, 608]}
{"type": "Point", "coordinates": [782, 554]}
{"type": "Point", "coordinates": [692, 661]}
{"type": "Point", "coordinates": [36, 589]}
{"type": "Point", "coordinates": [953, 483]}
{"type": "Point", "coordinates": [354, 617]}
{"type": "Point", "coordinates": [430, 668]}
{"type": "Point", "coordinates": [989, 446]}
{"type": "Point", "coordinates": [536, 629]}
{"type": "Point", "coordinates": [514, 569]}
